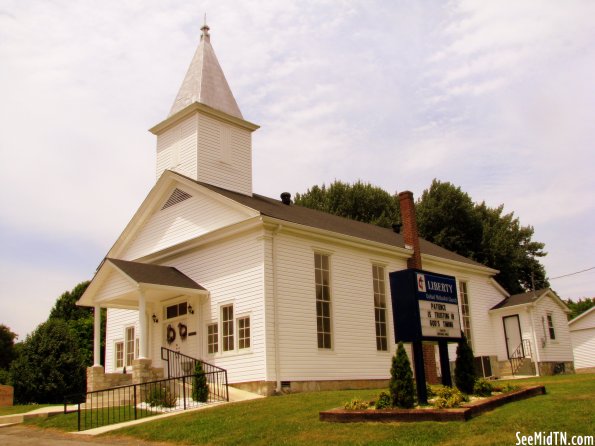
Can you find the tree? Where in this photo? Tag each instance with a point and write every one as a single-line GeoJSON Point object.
{"type": "Point", "coordinates": [80, 320]}
{"type": "Point", "coordinates": [200, 388]}
{"type": "Point", "coordinates": [464, 370]}
{"type": "Point", "coordinates": [7, 350]}
{"type": "Point", "coordinates": [359, 201]}
{"type": "Point", "coordinates": [49, 365]}
{"type": "Point", "coordinates": [401, 386]}
{"type": "Point", "coordinates": [580, 306]}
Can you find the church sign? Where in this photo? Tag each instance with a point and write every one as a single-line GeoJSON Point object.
{"type": "Point", "coordinates": [425, 306]}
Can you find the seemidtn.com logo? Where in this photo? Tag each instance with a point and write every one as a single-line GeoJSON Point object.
{"type": "Point", "coordinates": [553, 438]}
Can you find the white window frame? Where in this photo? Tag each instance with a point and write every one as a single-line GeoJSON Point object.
{"type": "Point", "coordinates": [551, 329]}
{"type": "Point", "coordinates": [129, 356]}
{"type": "Point", "coordinates": [465, 311]}
{"type": "Point", "coordinates": [176, 304]}
{"type": "Point", "coordinates": [322, 302]}
{"type": "Point", "coordinates": [215, 337]}
{"type": "Point", "coordinates": [380, 307]}
{"type": "Point", "coordinates": [229, 324]}
{"type": "Point", "coordinates": [239, 332]}
{"type": "Point", "coordinates": [121, 365]}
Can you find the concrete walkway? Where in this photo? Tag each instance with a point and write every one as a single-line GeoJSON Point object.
{"type": "Point", "coordinates": [42, 412]}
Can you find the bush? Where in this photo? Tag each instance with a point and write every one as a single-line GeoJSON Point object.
{"type": "Point", "coordinates": [384, 401]}
{"type": "Point", "coordinates": [356, 404]}
{"type": "Point", "coordinates": [200, 388]}
{"type": "Point", "coordinates": [160, 397]}
{"type": "Point", "coordinates": [401, 387]}
{"type": "Point", "coordinates": [49, 365]}
{"type": "Point", "coordinates": [506, 388]}
{"type": "Point", "coordinates": [464, 369]}
{"type": "Point", "coordinates": [448, 397]}
{"type": "Point", "coordinates": [482, 387]}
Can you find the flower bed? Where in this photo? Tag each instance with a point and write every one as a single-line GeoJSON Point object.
{"type": "Point", "coordinates": [470, 410]}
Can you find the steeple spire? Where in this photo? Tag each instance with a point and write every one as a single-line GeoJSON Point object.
{"type": "Point", "coordinates": [205, 82]}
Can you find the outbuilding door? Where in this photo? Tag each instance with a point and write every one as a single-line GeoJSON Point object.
{"type": "Point", "coordinates": [512, 332]}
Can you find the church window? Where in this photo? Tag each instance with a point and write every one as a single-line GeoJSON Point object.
{"type": "Point", "coordinates": [213, 338]}
{"type": "Point", "coordinates": [227, 327]}
{"type": "Point", "coordinates": [244, 332]}
{"type": "Point", "coordinates": [380, 307]}
{"type": "Point", "coordinates": [465, 311]}
{"type": "Point", "coordinates": [323, 300]}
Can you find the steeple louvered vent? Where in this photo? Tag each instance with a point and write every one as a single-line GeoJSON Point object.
{"type": "Point", "coordinates": [176, 197]}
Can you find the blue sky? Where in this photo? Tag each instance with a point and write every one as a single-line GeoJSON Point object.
{"type": "Point", "coordinates": [496, 97]}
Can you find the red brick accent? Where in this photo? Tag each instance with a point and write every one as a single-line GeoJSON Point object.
{"type": "Point", "coordinates": [430, 364]}
{"type": "Point", "coordinates": [410, 233]}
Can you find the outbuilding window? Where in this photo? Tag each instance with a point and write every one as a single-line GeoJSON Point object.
{"type": "Point", "coordinates": [550, 326]}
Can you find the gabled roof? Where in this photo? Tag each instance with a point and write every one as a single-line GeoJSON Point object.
{"type": "Point", "coordinates": [582, 315]}
{"type": "Point", "coordinates": [329, 222]}
{"type": "Point", "coordinates": [205, 82]}
{"type": "Point", "coordinates": [155, 274]}
{"type": "Point", "coordinates": [528, 298]}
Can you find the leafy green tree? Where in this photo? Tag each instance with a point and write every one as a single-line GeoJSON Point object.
{"type": "Point", "coordinates": [580, 306]}
{"type": "Point", "coordinates": [401, 386]}
{"type": "Point", "coordinates": [464, 370]}
{"type": "Point", "coordinates": [49, 365]}
{"type": "Point", "coordinates": [359, 201]}
{"type": "Point", "coordinates": [7, 350]}
{"type": "Point", "coordinates": [80, 320]}
{"type": "Point", "coordinates": [200, 388]}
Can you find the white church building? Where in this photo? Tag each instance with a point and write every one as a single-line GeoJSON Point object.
{"type": "Point", "coordinates": [281, 296]}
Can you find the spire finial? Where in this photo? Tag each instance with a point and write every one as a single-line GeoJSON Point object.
{"type": "Point", "coordinates": [205, 30]}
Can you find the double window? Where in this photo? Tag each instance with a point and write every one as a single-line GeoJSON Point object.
{"type": "Point", "coordinates": [229, 326]}
{"type": "Point", "coordinates": [380, 307]}
{"type": "Point", "coordinates": [127, 350]}
{"type": "Point", "coordinates": [323, 300]}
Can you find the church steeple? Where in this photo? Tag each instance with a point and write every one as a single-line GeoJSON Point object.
{"type": "Point", "coordinates": [205, 82]}
{"type": "Point", "coordinates": [205, 136]}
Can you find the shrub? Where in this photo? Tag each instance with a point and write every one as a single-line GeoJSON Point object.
{"type": "Point", "coordinates": [200, 388]}
{"type": "Point", "coordinates": [448, 397]}
{"type": "Point", "coordinates": [5, 377]}
{"type": "Point", "coordinates": [384, 401]}
{"type": "Point", "coordinates": [160, 397]}
{"type": "Point", "coordinates": [505, 388]}
{"type": "Point", "coordinates": [464, 370]}
{"type": "Point", "coordinates": [355, 404]}
{"type": "Point", "coordinates": [401, 380]}
{"type": "Point", "coordinates": [482, 387]}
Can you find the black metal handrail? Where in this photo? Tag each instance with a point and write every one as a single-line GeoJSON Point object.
{"type": "Point", "coordinates": [520, 353]}
{"type": "Point", "coordinates": [136, 401]}
{"type": "Point", "coordinates": [179, 364]}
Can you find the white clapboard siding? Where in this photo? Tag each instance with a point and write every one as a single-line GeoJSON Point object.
{"type": "Point", "coordinates": [233, 273]}
{"type": "Point", "coordinates": [555, 350]}
{"type": "Point", "coordinates": [177, 148]}
{"type": "Point", "coordinates": [583, 345]}
{"type": "Point", "coordinates": [183, 221]}
{"type": "Point", "coordinates": [224, 155]}
{"type": "Point", "coordinates": [354, 354]}
{"type": "Point", "coordinates": [117, 321]}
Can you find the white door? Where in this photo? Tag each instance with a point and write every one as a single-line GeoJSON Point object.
{"type": "Point", "coordinates": [512, 332]}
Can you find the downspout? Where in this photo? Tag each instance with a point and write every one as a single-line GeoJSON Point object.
{"type": "Point", "coordinates": [537, 359]}
{"type": "Point", "coordinates": [276, 309]}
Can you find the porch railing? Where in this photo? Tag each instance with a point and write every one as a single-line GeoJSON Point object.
{"type": "Point", "coordinates": [179, 365]}
{"type": "Point", "coordinates": [136, 401]}
{"type": "Point", "coordinates": [517, 358]}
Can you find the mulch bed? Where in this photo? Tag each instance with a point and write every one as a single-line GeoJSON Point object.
{"type": "Point", "coordinates": [465, 413]}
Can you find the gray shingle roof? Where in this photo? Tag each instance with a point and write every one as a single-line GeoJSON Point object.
{"type": "Point", "coordinates": [521, 299]}
{"type": "Point", "coordinates": [323, 220]}
{"type": "Point", "coordinates": [205, 82]}
{"type": "Point", "coordinates": [155, 274]}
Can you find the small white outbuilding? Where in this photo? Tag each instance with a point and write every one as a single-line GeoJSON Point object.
{"type": "Point", "coordinates": [582, 335]}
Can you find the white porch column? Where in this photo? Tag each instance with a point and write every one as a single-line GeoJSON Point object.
{"type": "Point", "coordinates": [97, 336]}
{"type": "Point", "coordinates": [142, 323]}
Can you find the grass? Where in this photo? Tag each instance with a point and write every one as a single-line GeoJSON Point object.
{"type": "Point", "coordinates": [293, 420]}
{"type": "Point", "coordinates": [20, 408]}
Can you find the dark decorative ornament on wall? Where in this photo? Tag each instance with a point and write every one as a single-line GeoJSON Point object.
{"type": "Point", "coordinates": [183, 329]}
{"type": "Point", "coordinates": [171, 334]}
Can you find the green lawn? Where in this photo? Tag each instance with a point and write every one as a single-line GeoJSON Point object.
{"type": "Point", "coordinates": [20, 408]}
{"type": "Point", "coordinates": [293, 420]}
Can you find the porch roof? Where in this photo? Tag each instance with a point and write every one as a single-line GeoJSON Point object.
{"type": "Point", "coordinates": [155, 274]}
{"type": "Point", "coordinates": [120, 283]}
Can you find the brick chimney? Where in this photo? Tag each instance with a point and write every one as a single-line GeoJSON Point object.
{"type": "Point", "coordinates": [409, 229]}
